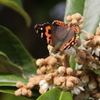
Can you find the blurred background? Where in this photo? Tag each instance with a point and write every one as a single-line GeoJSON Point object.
{"type": "Point", "coordinates": [40, 11]}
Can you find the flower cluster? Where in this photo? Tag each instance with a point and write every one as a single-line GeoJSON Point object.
{"type": "Point", "coordinates": [55, 70]}
{"type": "Point", "coordinates": [92, 44]}
{"type": "Point", "coordinates": [75, 19]}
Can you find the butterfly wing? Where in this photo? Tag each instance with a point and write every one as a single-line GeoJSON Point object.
{"type": "Point", "coordinates": [44, 30]}
{"type": "Point", "coordinates": [62, 35]}
{"type": "Point", "coordinates": [58, 30]}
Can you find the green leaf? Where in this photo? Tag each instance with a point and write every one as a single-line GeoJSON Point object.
{"type": "Point", "coordinates": [11, 90]}
{"type": "Point", "coordinates": [11, 80]}
{"type": "Point", "coordinates": [56, 94]}
{"type": "Point", "coordinates": [13, 97]}
{"type": "Point", "coordinates": [72, 62]}
{"type": "Point", "coordinates": [95, 71]}
{"type": "Point", "coordinates": [8, 89]}
{"type": "Point", "coordinates": [7, 66]}
{"type": "Point", "coordinates": [8, 84]}
{"type": "Point", "coordinates": [74, 6]}
{"type": "Point", "coordinates": [13, 48]}
{"type": "Point", "coordinates": [17, 6]}
{"type": "Point", "coordinates": [91, 15]}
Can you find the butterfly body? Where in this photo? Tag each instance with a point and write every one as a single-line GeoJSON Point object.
{"type": "Point", "coordinates": [58, 34]}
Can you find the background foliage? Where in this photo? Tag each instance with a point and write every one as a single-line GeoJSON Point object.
{"type": "Point", "coordinates": [17, 18]}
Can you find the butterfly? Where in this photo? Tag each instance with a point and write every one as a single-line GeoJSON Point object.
{"type": "Point", "coordinates": [58, 34]}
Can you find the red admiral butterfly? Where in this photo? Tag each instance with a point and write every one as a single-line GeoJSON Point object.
{"type": "Point", "coordinates": [58, 34]}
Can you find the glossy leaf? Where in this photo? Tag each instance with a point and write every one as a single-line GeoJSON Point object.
{"type": "Point", "coordinates": [10, 80]}
{"type": "Point", "coordinates": [91, 15]}
{"type": "Point", "coordinates": [12, 89]}
{"type": "Point", "coordinates": [12, 47]}
{"type": "Point", "coordinates": [56, 94]}
{"type": "Point", "coordinates": [17, 6]}
{"type": "Point", "coordinates": [7, 66]}
{"type": "Point", "coordinates": [8, 84]}
{"type": "Point", "coordinates": [74, 6]}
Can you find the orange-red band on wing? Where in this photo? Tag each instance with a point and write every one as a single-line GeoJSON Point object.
{"type": "Point", "coordinates": [47, 29]}
{"type": "Point", "coordinates": [67, 44]}
{"type": "Point", "coordinates": [76, 30]}
{"type": "Point", "coordinates": [60, 23]}
{"type": "Point", "coordinates": [49, 41]}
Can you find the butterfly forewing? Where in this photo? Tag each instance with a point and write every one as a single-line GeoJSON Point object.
{"type": "Point", "coordinates": [58, 32]}
{"type": "Point", "coordinates": [44, 30]}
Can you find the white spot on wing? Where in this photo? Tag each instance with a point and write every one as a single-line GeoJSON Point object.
{"type": "Point", "coordinates": [41, 28]}
{"type": "Point", "coordinates": [41, 35]}
{"type": "Point", "coordinates": [73, 43]}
